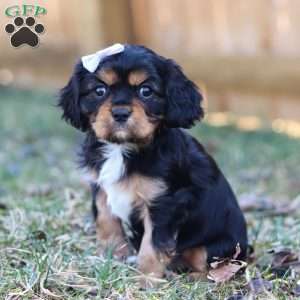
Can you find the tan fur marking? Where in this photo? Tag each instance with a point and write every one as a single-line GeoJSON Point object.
{"type": "Point", "coordinates": [108, 76]}
{"type": "Point", "coordinates": [138, 127]}
{"type": "Point", "coordinates": [196, 258]}
{"type": "Point", "coordinates": [109, 229]}
{"type": "Point", "coordinates": [137, 77]}
{"type": "Point", "coordinates": [149, 261]}
{"type": "Point", "coordinates": [102, 121]}
{"type": "Point", "coordinates": [144, 190]}
{"type": "Point", "coordinates": [139, 122]}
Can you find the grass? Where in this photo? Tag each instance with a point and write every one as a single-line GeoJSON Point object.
{"type": "Point", "coordinates": [48, 248]}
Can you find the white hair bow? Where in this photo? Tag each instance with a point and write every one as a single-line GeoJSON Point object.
{"type": "Point", "coordinates": [92, 61]}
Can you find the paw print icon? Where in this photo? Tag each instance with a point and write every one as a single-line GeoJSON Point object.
{"type": "Point", "coordinates": [24, 32]}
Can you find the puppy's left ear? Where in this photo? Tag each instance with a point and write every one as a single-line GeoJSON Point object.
{"type": "Point", "coordinates": [183, 98]}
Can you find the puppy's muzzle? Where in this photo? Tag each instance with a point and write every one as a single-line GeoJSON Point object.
{"type": "Point", "coordinates": [121, 114]}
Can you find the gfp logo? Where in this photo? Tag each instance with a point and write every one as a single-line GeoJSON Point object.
{"type": "Point", "coordinates": [24, 30]}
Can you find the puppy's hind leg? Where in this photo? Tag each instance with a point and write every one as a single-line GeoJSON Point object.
{"type": "Point", "coordinates": [196, 260]}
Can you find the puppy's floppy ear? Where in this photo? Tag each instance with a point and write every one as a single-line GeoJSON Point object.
{"type": "Point", "coordinates": [183, 98]}
{"type": "Point", "coordinates": [69, 101]}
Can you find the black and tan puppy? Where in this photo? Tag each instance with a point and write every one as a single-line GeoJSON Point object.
{"type": "Point", "coordinates": [150, 176]}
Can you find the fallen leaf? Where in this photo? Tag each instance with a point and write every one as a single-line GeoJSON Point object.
{"type": "Point", "coordinates": [223, 261]}
{"type": "Point", "coordinates": [283, 257]}
{"type": "Point", "coordinates": [283, 261]}
{"type": "Point", "coordinates": [226, 270]}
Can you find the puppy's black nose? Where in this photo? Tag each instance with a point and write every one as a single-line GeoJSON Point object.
{"type": "Point", "coordinates": [121, 114]}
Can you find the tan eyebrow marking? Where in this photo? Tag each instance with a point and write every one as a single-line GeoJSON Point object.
{"type": "Point", "coordinates": [108, 76]}
{"type": "Point", "coordinates": [137, 77]}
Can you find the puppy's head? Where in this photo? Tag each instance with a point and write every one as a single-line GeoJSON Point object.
{"type": "Point", "coordinates": [129, 96]}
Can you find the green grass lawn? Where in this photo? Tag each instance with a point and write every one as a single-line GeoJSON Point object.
{"type": "Point", "coordinates": [48, 248]}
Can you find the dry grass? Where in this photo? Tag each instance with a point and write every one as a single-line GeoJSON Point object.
{"type": "Point", "coordinates": [47, 240]}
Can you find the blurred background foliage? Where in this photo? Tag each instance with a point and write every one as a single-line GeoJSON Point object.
{"type": "Point", "coordinates": [243, 54]}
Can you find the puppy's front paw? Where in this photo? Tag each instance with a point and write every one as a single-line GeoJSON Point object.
{"type": "Point", "coordinates": [119, 252]}
{"type": "Point", "coordinates": [150, 265]}
{"type": "Point", "coordinates": [152, 269]}
{"type": "Point", "coordinates": [147, 281]}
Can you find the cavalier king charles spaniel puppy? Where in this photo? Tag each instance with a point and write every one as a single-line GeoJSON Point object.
{"type": "Point", "coordinates": [154, 186]}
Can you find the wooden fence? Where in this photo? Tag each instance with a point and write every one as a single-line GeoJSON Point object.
{"type": "Point", "coordinates": [246, 54]}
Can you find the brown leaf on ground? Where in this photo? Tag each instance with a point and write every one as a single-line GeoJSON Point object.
{"type": "Point", "coordinates": [223, 261]}
{"type": "Point", "coordinates": [284, 260]}
{"type": "Point", "coordinates": [284, 257]}
{"type": "Point", "coordinates": [226, 271]}
{"type": "Point", "coordinates": [223, 270]}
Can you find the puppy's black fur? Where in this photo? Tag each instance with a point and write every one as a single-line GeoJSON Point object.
{"type": "Point", "coordinates": [198, 207]}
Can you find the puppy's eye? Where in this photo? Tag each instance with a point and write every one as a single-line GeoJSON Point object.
{"type": "Point", "coordinates": [101, 91]}
{"type": "Point", "coordinates": [145, 92]}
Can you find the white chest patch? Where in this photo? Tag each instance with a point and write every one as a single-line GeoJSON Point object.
{"type": "Point", "coordinates": [118, 198]}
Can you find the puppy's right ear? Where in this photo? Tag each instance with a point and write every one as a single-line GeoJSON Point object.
{"type": "Point", "coordinates": [69, 100]}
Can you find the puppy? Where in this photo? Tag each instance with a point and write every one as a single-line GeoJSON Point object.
{"type": "Point", "coordinates": [154, 184]}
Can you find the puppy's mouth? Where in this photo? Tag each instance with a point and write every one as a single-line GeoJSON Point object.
{"type": "Point", "coordinates": [138, 128]}
{"type": "Point", "coordinates": [120, 126]}
{"type": "Point", "coordinates": [127, 133]}
{"type": "Point", "coordinates": [121, 132]}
